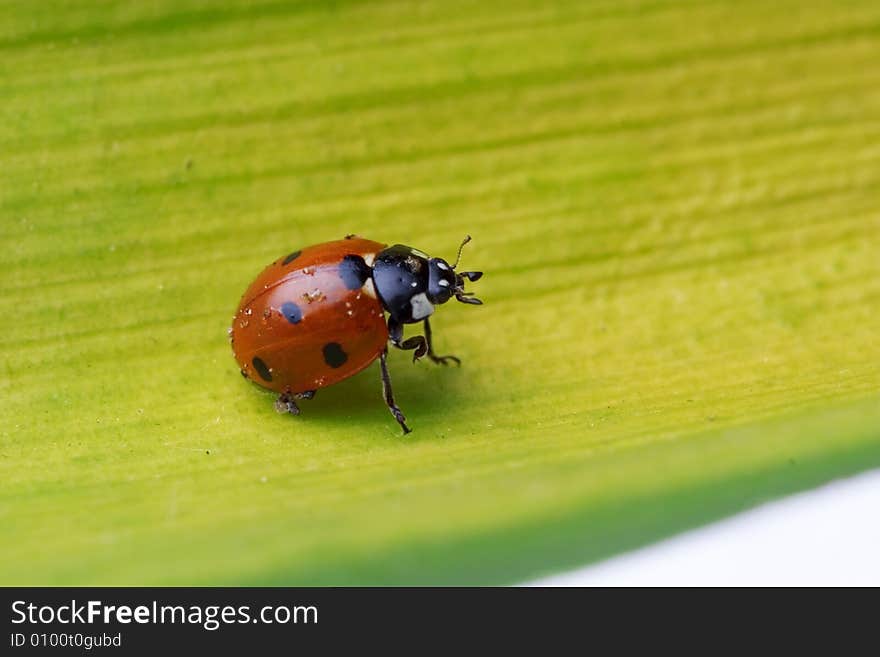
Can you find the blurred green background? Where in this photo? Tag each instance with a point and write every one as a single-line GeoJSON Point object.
{"type": "Point", "coordinates": [675, 203]}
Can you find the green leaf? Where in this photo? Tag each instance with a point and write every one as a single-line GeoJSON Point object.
{"type": "Point", "coordinates": [675, 204]}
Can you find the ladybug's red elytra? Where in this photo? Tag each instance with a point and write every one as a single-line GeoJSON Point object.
{"type": "Point", "coordinates": [317, 316]}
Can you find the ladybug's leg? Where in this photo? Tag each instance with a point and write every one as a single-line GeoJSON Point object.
{"type": "Point", "coordinates": [389, 396]}
{"type": "Point", "coordinates": [285, 404]}
{"type": "Point", "coordinates": [442, 360]}
{"type": "Point", "coordinates": [417, 342]}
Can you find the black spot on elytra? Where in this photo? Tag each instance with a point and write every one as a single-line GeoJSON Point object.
{"type": "Point", "coordinates": [262, 369]}
{"type": "Point", "coordinates": [291, 312]}
{"type": "Point", "coordinates": [333, 354]}
{"type": "Point", "coordinates": [293, 256]}
{"type": "Point", "coordinates": [354, 272]}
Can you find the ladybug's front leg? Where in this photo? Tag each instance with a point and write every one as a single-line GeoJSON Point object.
{"type": "Point", "coordinates": [442, 360]}
{"type": "Point", "coordinates": [417, 342]}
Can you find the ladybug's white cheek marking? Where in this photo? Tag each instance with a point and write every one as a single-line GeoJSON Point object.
{"type": "Point", "coordinates": [369, 258]}
{"type": "Point", "coordinates": [421, 307]}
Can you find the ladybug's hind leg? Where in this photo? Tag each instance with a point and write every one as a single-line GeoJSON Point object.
{"type": "Point", "coordinates": [389, 395]}
{"type": "Point", "coordinates": [286, 404]}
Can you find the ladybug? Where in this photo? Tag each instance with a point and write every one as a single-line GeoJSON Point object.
{"type": "Point", "coordinates": [318, 315]}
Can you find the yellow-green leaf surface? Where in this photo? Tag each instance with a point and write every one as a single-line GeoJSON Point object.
{"type": "Point", "coordinates": [675, 203]}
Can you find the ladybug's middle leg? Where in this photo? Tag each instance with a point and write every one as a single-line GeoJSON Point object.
{"type": "Point", "coordinates": [389, 395]}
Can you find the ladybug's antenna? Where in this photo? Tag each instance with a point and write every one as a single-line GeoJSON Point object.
{"type": "Point", "coordinates": [460, 294]}
{"type": "Point", "coordinates": [467, 238]}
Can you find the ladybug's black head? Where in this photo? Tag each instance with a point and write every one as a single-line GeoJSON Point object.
{"type": "Point", "coordinates": [410, 283]}
{"type": "Point", "coordinates": [444, 282]}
